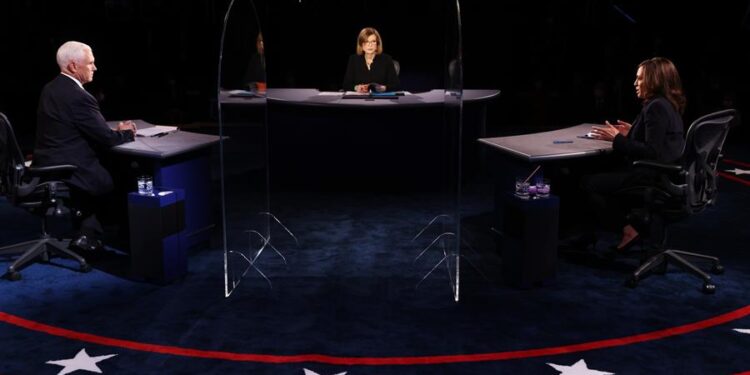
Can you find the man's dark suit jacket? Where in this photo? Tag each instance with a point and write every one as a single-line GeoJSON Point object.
{"type": "Point", "coordinates": [657, 134]}
{"type": "Point", "coordinates": [69, 129]}
{"type": "Point", "coordinates": [381, 71]}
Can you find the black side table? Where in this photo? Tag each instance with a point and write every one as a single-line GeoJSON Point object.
{"type": "Point", "coordinates": [528, 231]}
{"type": "Point", "coordinates": [158, 247]}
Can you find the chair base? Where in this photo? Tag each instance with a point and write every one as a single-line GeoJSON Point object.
{"type": "Point", "coordinates": [660, 261]}
{"type": "Point", "coordinates": [30, 250]}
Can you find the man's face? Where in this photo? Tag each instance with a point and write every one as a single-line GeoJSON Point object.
{"type": "Point", "coordinates": [84, 68]}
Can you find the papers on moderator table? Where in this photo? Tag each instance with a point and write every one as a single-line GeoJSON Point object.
{"type": "Point", "coordinates": [246, 94]}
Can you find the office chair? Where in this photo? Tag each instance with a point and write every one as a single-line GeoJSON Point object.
{"type": "Point", "coordinates": [684, 189]}
{"type": "Point", "coordinates": [40, 191]}
{"type": "Point", "coordinates": [397, 67]}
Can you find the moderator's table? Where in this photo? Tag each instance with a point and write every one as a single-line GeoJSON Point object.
{"type": "Point", "coordinates": [321, 136]}
{"type": "Point", "coordinates": [303, 96]}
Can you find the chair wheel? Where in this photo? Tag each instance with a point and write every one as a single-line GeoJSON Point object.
{"type": "Point", "coordinates": [13, 276]}
{"type": "Point", "coordinates": [631, 282]}
{"type": "Point", "coordinates": [717, 269]}
{"type": "Point", "coordinates": [85, 267]}
{"type": "Point", "coordinates": [709, 288]}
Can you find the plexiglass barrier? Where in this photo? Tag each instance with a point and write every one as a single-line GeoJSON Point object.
{"type": "Point", "coordinates": [443, 232]}
{"type": "Point", "coordinates": [243, 161]}
{"type": "Point", "coordinates": [341, 155]}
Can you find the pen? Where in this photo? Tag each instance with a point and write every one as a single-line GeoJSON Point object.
{"type": "Point", "coordinates": [559, 142]}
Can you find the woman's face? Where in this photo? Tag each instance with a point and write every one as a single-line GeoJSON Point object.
{"type": "Point", "coordinates": [640, 91]}
{"type": "Point", "coordinates": [370, 45]}
{"type": "Point", "coordinates": [259, 45]}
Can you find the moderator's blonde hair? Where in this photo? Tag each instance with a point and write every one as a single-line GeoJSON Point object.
{"type": "Point", "coordinates": [362, 38]}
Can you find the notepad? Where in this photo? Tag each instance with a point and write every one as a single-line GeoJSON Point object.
{"type": "Point", "coordinates": [155, 130]}
{"type": "Point", "coordinates": [372, 95]}
{"type": "Point", "coordinates": [386, 94]}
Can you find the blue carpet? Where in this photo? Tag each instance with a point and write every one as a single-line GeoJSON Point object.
{"type": "Point", "coordinates": [348, 291]}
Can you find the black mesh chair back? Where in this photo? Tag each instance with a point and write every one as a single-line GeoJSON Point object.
{"type": "Point", "coordinates": [11, 160]}
{"type": "Point", "coordinates": [685, 189]}
{"type": "Point", "coordinates": [41, 191]}
{"type": "Point", "coordinates": [703, 144]}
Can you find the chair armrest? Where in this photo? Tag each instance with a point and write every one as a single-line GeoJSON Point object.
{"type": "Point", "coordinates": [64, 169]}
{"type": "Point", "coordinates": [650, 164]}
{"type": "Point", "coordinates": [48, 178]}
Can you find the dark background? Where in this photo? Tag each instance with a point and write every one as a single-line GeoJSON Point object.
{"type": "Point", "coordinates": [557, 63]}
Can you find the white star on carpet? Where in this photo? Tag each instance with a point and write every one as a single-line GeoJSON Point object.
{"type": "Point", "coordinates": [740, 330]}
{"type": "Point", "coordinates": [82, 361]}
{"type": "Point", "coordinates": [737, 171]}
{"type": "Point", "coordinates": [311, 372]}
{"type": "Point", "coordinates": [578, 368]}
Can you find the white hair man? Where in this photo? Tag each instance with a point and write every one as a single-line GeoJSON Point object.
{"type": "Point", "coordinates": [70, 130]}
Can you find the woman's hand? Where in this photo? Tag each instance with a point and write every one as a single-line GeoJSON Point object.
{"type": "Point", "coordinates": [606, 132]}
{"type": "Point", "coordinates": [622, 127]}
{"type": "Point", "coordinates": [362, 88]}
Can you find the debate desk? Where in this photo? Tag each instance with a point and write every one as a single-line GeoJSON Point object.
{"type": "Point", "coordinates": [563, 157]}
{"type": "Point", "coordinates": [176, 159]}
{"type": "Point", "coordinates": [325, 139]}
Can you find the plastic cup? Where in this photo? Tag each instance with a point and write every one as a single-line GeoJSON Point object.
{"type": "Point", "coordinates": [145, 185]}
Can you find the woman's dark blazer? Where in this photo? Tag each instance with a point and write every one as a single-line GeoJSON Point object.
{"type": "Point", "coordinates": [657, 134]}
{"type": "Point", "coordinates": [381, 71]}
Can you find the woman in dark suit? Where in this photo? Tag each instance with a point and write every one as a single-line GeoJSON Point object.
{"type": "Point", "coordinates": [255, 74]}
{"type": "Point", "coordinates": [370, 65]}
{"type": "Point", "coordinates": [656, 134]}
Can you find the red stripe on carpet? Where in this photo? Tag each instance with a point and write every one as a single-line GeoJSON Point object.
{"type": "Point", "coordinates": [736, 162]}
{"type": "Point", "coordinates": [375, 361]}
{"type": "Point", "coordinates": [734, 178]}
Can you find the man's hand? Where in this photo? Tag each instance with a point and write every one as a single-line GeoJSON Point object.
{"type": "Point", "coordinates": [127, 125]}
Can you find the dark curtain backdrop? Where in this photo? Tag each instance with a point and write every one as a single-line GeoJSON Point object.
{"type": "Point", "coordinates": [557, 63]}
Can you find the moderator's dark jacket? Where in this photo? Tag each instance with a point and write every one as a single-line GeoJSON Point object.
{"type": "Point", "coordinates": [70, 129]}
{"type": "Point", "coordinates": [256, 70]}
{"type": "Point", "coordinates": [657, 134]}
{"type": "Point", "coordinates": [381, 71]}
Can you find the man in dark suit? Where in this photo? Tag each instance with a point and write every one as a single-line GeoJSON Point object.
{"type": "Point", "coordinates": [71, 130]}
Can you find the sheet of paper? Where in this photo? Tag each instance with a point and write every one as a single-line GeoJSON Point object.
{"type": "Point", "coordinates": [155, 130]}
{"type": "Point", "coordinates": [243, 93]}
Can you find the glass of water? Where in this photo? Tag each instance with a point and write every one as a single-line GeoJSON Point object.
{"type": "Point", "coordinates": [522, 187]}
{"type": "Point", "coordinates": [145, 185]}
{"type": "Point", "coordinates": [542, 188]}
